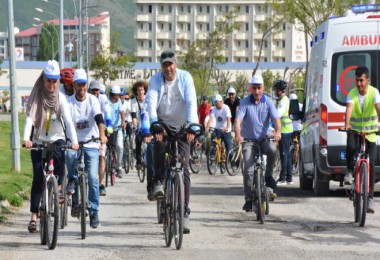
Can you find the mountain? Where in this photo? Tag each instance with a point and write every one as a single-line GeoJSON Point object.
{"type": "Point", "coordinates": [122, 14]}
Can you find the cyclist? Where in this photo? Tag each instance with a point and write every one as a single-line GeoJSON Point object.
{"type": "Point", "coordinates": [66, 80]}
{"type": "Point", "coordinates": [362, 113]}
{"type": "Point", "coordinates": [139, 89]}
{"type": "Point", "coordinates": [252, 123]}
{"type": "Point", "coordinates": [172, 90]}
{"type": "Point", "coordinates": [203, 110]}
{"type": "Point", "coordinates": [283, 103]}
{"type": "Point", "coordinates": [106, 112]}
{"type": "Point", "coordinates": [232, 102]}
{"type": "Point", "coordinates": [47, 111]}
{"type": "Point", "coordinates": [125, 100]}
{"type": "Point", "coordinates": [118, 121]}
{"type": "Point", "coordinates": [221, 114]}
{"type": "Point", "coordinates": [88, 119]}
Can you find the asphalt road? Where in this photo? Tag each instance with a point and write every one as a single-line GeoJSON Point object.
{"type": "Point", "coordinates": [299, 226]}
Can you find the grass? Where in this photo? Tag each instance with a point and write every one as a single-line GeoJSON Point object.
{"type": "Point", "coordinates": [14, 186]}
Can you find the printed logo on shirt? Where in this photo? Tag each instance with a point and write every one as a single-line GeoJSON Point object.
{"type": "Point", "coordinates": [82, 124]}
{"type": "Point", "coordinates": [220, 119]}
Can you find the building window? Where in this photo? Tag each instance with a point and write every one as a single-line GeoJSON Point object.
{"type": "Point", "coordinates": [227, 8]}
{"type": "Point", "coordinates": [141, 26]}
{"type": "Point", "coordinates": [238, 9]}
{"type": "Point", "coordinates": [150, 9]}
{"type": "Point", "coordinates": [266, 44]}
{"type": "Point", "coordinates": [283, 59]}
{"type": "Point", "coordinates": [226, 59]}
{"type": "Point", "coordinates": [265, 59]}
{"type": "Point", "coordinates": [162, 43]}
{"type": "Point", "coordinates": [208, 9]}
{"type": "Point", "coordinates": [141, 8]}
{"type": "Point", "coordinates": [208, 27]}
{"type": "Point", "coordinates": [247, 9]}
{"type": "Point", "coordinates": [283, 44]}
{"type": "Point", "coordinates": [189, 9]}
{"type": "Point", "coordinates": [259, 8]}
{"type": "Point", "coordinates": [162, 8]}
{"type": "Point", "coordinates": [220, 9]}
{"type": "Point", "coordinates": [247, 44]}
{"type": "Point", "coordinates": [150, 44]}
{"type": "Point", "coordinates": [150, 27]}
{"type": "Point", "coordinates": [162, 26]}
{"type": "Point", "coordinates": [189, 27]}
{"type": "Point", "coordinates": [170, 9]}
{"type": "Point", "coordinates": [200, 9]}
{"type": "Point", "coordinates": [247, 27]}
{"type": "Point", "coordinates": [284, 26]}
{"type": "Point", "coordinates": [226, 44]}
{"type": "Point", "coordinates": [170, 44]}
{"type": "Point", "coordinates": [141, 43]}
{"type": "Point", "coordinates": [170, 27]}
{"type": "Point", "coordinates": [181, 9]}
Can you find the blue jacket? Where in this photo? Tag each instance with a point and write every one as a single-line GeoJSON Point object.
{"type": "Point", "coordinates": [186, 88]}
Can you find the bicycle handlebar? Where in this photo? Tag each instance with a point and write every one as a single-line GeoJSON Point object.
{"type": "Point", "coordinates": [92, 139]}
{"type": "Point", "coordinates": [357, 132]}
{"type": "Point", "coordinates": [194, 128]}
{"type": "Point", "coordinates": [48, 146]}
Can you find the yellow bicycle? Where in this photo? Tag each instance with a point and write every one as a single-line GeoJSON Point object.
{"type": "Point", "coordinates": [216, 155]}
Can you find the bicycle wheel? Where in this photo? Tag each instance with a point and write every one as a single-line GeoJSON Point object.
{"type": "Point", "coordinates": [178, 210]}
{"type": "Point", "coordinates": [126, 156]}
{"type": "Point", "coordinates": [63, 206]}
{"type": "Point", "coordinates": [83, 204]}
{"type": "Point", "coordinates": [160, 210]}
{"type": "Point", "coordinates": [362, 194]}
{"type": "Point", "coordinates": [108, 165]}
{"type": "Point", "coordinates": [42, 216]}
{"type": "Point", "coordinates": [295, 159]}
{"type": "Point", "coordinates": [168, 216]}
{"type": "Point", "coordinates": [265, 196]}
{"type": "Point", "coordinates": [212, 159]}
{"type": "Point", "coordinates": [234, 161]}
{"type": "Point", "coordinates": [195, 162]}
{"type": "Point", "coordinates": [113, 167]}
{"type": "Point", "coordinates": [52, 216]}
{"type": "Point", "coordinates": [132, 153]}
{"type": "Point", "coordinates": [141, 173]}
{"type": "Point", "coordinates": [260, 212]}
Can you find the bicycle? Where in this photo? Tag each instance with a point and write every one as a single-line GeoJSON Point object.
{"type": "Point", "coordinates": [170, 209]}
{"type": "Point", "coordinates": [195, 161]}
{"type": "Point", "coordinates": [127, 151]}
{"type": "Point", "coordinates": [141, 172]}
{"type": "Point", "coordinates": [111, 157]}
{"type": "Point", "coordinates": [294, 151]}
{"type": "Point", "coordinates": [63, 206]}
{"type": "Point", "coordinates": [81, 188]}
{"type": "Point", "coordinates": [261, 198]}
{"type": "Point", "coordinates": [360, 186]}
{"type": "Point", "coordinates": [216, 154]}
{"type": "Point", "coordinates": [49, 208]}
{"type": "Point", "coordinates": [235, 160]}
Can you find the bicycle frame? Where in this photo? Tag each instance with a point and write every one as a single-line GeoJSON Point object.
{"type": "Point", "coordinates": [362, 156]}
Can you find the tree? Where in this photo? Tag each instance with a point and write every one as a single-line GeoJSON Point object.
{"type": "Point", "coordinates": [222, 79]}
{"type": "Point", "coordinates": [269, 78]}
{"type": "Point", "coordinates": [202, 55]}
{"type": "Point", "coordinates": [241, 85]}
{"type": "Point", "coordinates": [48, 43]}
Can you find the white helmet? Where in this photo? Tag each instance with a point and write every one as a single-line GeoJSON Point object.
{"type": "Point", "coordinates": [115, 89]}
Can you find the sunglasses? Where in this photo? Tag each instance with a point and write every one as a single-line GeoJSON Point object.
{"type": "Point", "coordinates": [167, 54]}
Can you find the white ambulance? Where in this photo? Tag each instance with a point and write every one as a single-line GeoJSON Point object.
{"type": "Point", "coordinates": [340, 45]}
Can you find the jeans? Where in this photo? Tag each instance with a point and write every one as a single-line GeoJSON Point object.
{"type": "Point", "coordinates": [267, 147]}
{"type": "Point", "coordinates": [286, 158]}
{"type": "Point", "coordinates": [149, 166]}
{"type": "Point", "coordinates": [225, 136]}
{"type": "Point", "coordinates": [91, 161]}
{"type": "Point", "coordinates": [352, 148]}
{"type": "Point", "coordinates": [38, 177]}
{"type": "Point", "coordinates": [138, 140]}
{"type": "Point", "coordinates": [159, 165]}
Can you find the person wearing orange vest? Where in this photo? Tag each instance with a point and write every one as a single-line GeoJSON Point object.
{"type": "Point", "coordinates": [362, 112]}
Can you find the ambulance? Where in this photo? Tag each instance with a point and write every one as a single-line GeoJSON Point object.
{"type": "Point", "coordinates": [339, 46]}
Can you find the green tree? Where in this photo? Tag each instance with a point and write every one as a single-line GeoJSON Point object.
{"type": "Point", "coordinates": [269, 78]}
{"type": "Point", "coordinates": [48, 43]}
{"type": "Point", "coordinates": [241, 85]}
{"type": "Point", "coordinates": [202, 55]}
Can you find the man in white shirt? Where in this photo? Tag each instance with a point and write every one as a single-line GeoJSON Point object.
{"type": "Point", "coordinates": [88, 120]}
{"type": "Point", "coordinates": [221, 115]}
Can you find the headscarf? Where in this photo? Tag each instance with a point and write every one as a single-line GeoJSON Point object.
{"type": "Point", "coordinates": [40, 100]}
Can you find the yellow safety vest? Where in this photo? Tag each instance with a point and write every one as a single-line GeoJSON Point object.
{"type": "Point", "coordinates": [286, 123]}
{"type": "Point", "coordinates": [364, 120]}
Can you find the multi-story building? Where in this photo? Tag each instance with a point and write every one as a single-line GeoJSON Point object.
{"type": "Point", "coordinates": [3, 45]}
{"type": "Point", "coordinates": [171, 24]}
{"type": "Point", "coordinates": [98, 37]}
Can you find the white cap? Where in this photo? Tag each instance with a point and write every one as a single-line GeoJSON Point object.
{"type": "Point", "coordinates": [217, 97]}
{"type": "Point", "coordinates": [231, 90]}
{"type": "Point", "coordinates": [115, 89]}
{"type": "Point", "coordinates": [102, 88]}
{"type": "Point", "coordinates": [293, 97]}
{"type": "Point", "coordinates": [80, 76]}
{"type": "Point", "coordinates": [257, 80]}
{"type": "Point", "coordinates": [51, 70]}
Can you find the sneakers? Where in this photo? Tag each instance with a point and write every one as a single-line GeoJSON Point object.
{"type": "Point", "coordinates": [271, 194]}
{"type": "Point", "coordinates": [102, 190]}
{"type": "Point", "coordinates": [151, 196]}
{"type": "Point", "coordinates": [186, 224]}
{"type": "Point", "coordinates": [371, 206]}
{"type": "Point", "coordinates": [348, 178]}
{"type": "Point", "coordinates": [70, 188]}
{"type": "Point", "coordinates": [289, 182]}
{"type": "Point", "coordinates": [74, 211]}
{"type": "Point", "coordinates": [119, 174]}
{"type": "Point", "coordinates": [248, 206]}
{"type": "Point", "coordinates": [281, 182]}
{"type": "Point", "coordinates": [94, 221]}
{"type": "Point", "coordinates": [158, 191]}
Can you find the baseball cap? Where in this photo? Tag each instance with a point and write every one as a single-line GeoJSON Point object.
{"type": "Point", "coordinates": [218, 98]}
{"type": "Point", "coordinates": [102, 89]}
{"type": "Point", "coordinates": [94, 84]}
{"type": "Point", "coordinates": [205, 97]}
{"type": "Point", "coordinates": [167, 56]}
{"type": "Point", "coordinates": [231, 90]}
{"type": "Point", "coordinates": [115, 89]}
{"type": "Point", "coordinates": [257, 80]}
{"type": "Point", "coordinates": [80, 76]}
{"type": "Point", "coordinates": [51, 70]}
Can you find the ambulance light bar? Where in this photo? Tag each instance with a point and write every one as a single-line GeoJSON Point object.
{"type": "Point", "coordinates": [359, 9]}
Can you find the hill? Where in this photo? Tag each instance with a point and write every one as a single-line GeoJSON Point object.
{"type": "Point", "coordinates": [121, 14]}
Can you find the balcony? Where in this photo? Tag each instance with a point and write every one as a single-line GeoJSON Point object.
{"type": "Point", "coordinates": [201, 36]}
{"type": "Point", "coordinates": [143, 35]}
{"type": "Point", "coordinates": [184, 18]}
{"type": "Point", "coordinates": [258, 36]}
{"type": "Point", "coordinates": [242, 19]}
{"type": "Point", "coordinates": [164, 35]}
{"type": "Point", "coordinates": [241, 36]}
{"type": "Point", "coordinates": [143, 18]}
{"type": "Point", "coordinates": [241, 53]}
{"type": "Point", "coordinates": [279, 36]}
{"type": "Point", "coordinates": [278, 53]}
{"type": "Point", "coordinates": [164, 18]}
{"type": "Point", "coordinates": [184, 35]}
{"type": "Point", "coordinates": [203, 18]}
{"type": "Point", "coordinates": [144, 53]}
{"type": "Point", "coordinates": [259, 18]}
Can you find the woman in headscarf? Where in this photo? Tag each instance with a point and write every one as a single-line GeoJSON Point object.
{"type": "Point", "coordinates": [47, 119]}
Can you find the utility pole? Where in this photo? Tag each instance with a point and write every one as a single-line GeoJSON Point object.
{"type": "Point", "coordinates": [80, 36]}
{"type": "Point", "coordinates": [61, 37]}
{"type": "Point", "coordinates": [15, 133]}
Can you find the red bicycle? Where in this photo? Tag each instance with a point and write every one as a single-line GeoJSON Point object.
{"type": "Point", "coordinates": [360, 187]}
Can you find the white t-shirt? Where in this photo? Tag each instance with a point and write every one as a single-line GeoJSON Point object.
{"type": "Point", "coordinates": [127, 110]}
{"type": "Point", "coordinates": [135, 109]}
{"type": "Point", "coordinates": [83, 116]}
{"type": "Point", "coordinates": [220, 117]}
{"type": "Point", "coordinates": [172, 107]}
{"type": "Point", "coordinates": [361, 99]}
{"type": "Point", "coordinates": [297, 124]}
